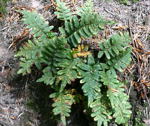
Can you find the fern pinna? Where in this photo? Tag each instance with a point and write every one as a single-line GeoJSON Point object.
{"type": "Point", "coordinates": [64, 58]}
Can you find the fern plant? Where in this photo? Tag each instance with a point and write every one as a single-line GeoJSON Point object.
{"type": "Point", "coordinates": [63, 58]}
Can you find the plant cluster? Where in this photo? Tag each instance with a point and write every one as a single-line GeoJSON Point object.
{"type": "Point", "coordinates": [3, 6]}
{"type": "Point", "coordinates": [66, 56]}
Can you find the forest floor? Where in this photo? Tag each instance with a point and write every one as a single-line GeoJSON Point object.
{"type": "Point", "coordinates": [17, 93]}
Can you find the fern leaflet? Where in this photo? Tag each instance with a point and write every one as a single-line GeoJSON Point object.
{"type": "Point", "coordinates": [62, 104]}
{"type": "Point", "coordinates": [113, 46]}
{"type": "Point", "coordinates": [121, 61]}
{"type": "Point", "coordinates": [31, 54]}
{"type": "Point", "coordinates": [67, 72]}
{"type": "Point", "coordinates": [100, 113]}
{"type": "Point", "coordinates": [63, 12]}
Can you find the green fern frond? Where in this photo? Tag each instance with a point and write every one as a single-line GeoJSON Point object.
{"type": "Point", "coordinates": [48, 76]}
{"type": "Point", "coordinates": [62, 104]}
{"type": "Point", "coordinates": [31, 54]}
{"type": "Point", "coordinates": [68, 71]}
{"type": "Point", "coordinates": [90, 79]}
{"type": "Point", "coordinates": [85, 27]}
{"type": "Point", "coordinates": [100, 113]}
{"type": "Point", "coordinates": [63, 12]}
{"type": "Point", "coordinates": [25, 66]}
{"type": "Point", "coordinates": [113, 46]}
{"type": "Point", "coordinates": [55, 50]}
{"type": "Point", "coordinates": [53, 53]}
{"type": "Point", "coordinates": [109, 78]}
{"type": "Point", "coordinates": [121, 106]}
{"type": "Point", "coordinates": [30, 49]}
{"type": "Point", "coordinates": [60, 62]}
{"type": "Point", "coordinates": [121, 61]}
{"type": "Point", "coordinates": [117, 96]}
{"type": "Point", "coordinates": [39, 27]}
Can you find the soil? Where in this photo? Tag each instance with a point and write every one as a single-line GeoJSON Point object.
{"type": "Point", "coordinates": [20, 101]}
